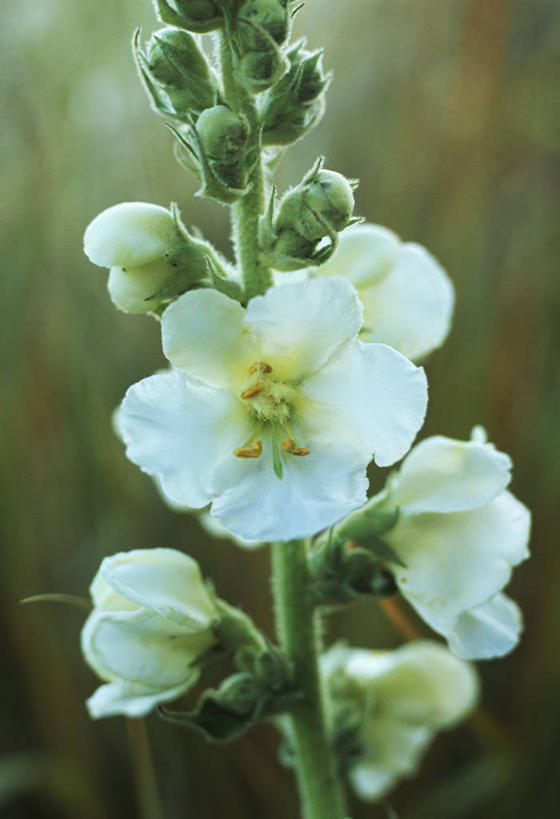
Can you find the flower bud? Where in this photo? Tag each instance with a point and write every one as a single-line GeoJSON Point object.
{"type": "Point", "coordinates": [222, 133]}
{"type": "Point", "coordinates": [400, 699]}
{"type": "Point", "coordinates": [296, 102]}
{"type": "Point", "coordinates": [150, 260]}
{"type": "Point", "coordinates": [320, 205]}
{"type": "Point", "coordinates": [151, 623]}
{"type": "Point", "coordinates": [175, 62]}
{"type": "Point", "coordinates": [270, 16]}
{"type": "Point", "coordinates": [199, 16]}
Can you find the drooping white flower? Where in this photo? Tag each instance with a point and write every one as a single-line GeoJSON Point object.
{"type": "Point", "coordinates": [272, 413]}
{"type": "Point", "coordinates": [152, 619]}
{"type": "Point", "coordinates": [459, 533]}
{"type": "Point", "coordinates": [403, 698]}
{"type": "Point", "coordinates": [407, 296]}
{"type": "Point", "coordinates": [136, 241]}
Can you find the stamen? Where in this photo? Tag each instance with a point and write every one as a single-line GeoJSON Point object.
{"type": "Point", "coordinates": [261, 366]}
{"type": "Point", "coordinates": [291, 445]}
{"type": "Point", "coordinates": [252, 391]}
{"type": "Point", "coordinates": [254, 450]}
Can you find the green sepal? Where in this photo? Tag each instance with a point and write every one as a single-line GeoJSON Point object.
{"type": "Point", "coordinates": [168, 15]}
{"type": "Point", "coordinates": [380, 548]}
{"type": "Point", "coordinates": [372, 519]}
{"type": "Point", "coordinates": [342, 574]}
{"type": "Point", "coordinates": [159, 102]}
{"type": "Point", "coordinates": [211, 185]}
{"type": "Point", "coordinates": [223, 715]}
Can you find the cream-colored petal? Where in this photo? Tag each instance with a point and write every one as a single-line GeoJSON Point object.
{"type": "Point", "coordinates": [130, 234]}
{"type": "Point", "coordinates": [205, 335]}
{"type": "Point", "coordinates": [132, 699]}
{"type": "Point", "coordinates": [444, 475]}
{"type": "Point", "coordinates": [368, 396]}
{"type": "Point", "coordinates": [299, 326]}
{"type": "Point", "coordinates": [165, 581]}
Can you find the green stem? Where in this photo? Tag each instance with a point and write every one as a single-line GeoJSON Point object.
{"type": "Point", "coordinates": [298, 631]}
{"type": "Point", "coordinates": [257, 277]}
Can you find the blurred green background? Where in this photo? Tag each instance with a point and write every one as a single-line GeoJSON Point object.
{"type": "Point", "coordinates": [448, 112]}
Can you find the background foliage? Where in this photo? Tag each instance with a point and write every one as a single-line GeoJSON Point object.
{"type": "Point", "coordinates": [447, 110]}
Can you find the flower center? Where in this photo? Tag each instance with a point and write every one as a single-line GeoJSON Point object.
{"type": "Point", "coordinates": [270, 401]}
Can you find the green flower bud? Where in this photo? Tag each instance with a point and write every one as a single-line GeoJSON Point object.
{"type": "Point", "coordinates": [296, 102]}
{"type": "Point", "coordinates": [174, 60]}
{"type": "Point", "coordinates": [269, 15]}
{"type": "Point", "coordinates": [319, 206]}
{"type": "Point", "coordinates": [222, 134]}
{"type": "Point", "coordinates": [199, 16]}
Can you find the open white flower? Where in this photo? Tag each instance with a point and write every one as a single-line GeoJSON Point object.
{"type": "Point", "coordinates": [460, 534]}
{"type": "Point", "coordinates": [407, 296]}
{"type": "Point", "coordinates": [272, 413]}
{"type": "Point", "coordinates": [151, 621]}
{"type": "Point", "coordinates": [403, 697]}
{"type": "Point", "coordinates": [136, 240]}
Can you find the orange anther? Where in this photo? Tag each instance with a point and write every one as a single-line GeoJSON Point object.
{"type": "Point", "coordinates": [288, 444]}
{"type": "Point", "coordinates": [254, 450]}
{"type": "Point", "coordinates": [260, 366]}
{"type": "Point", "coordinates": [252, 391]}
{"type": "Point", "coordinates": [300, 451]}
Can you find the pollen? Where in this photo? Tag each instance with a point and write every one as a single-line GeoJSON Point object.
{"type": "Point", "coordinates": [261, 367]}
{"type": "Point", "coordinates": [288, 444]}
{"type": "Point", "coordinates": [253, 450]}
{"type": "Point", "coordinates": [252, 391]}
{"type": "Point", "coordinates": [300, 450]}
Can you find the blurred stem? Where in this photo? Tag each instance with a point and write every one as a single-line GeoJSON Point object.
{"type": "Point", "coordinates": [245, 213]}
{"type": "Point", "coordinates": [298, 631]}
{"type": "Point", "coordinates": [147, 796]}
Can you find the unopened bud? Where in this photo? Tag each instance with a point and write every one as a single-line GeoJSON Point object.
{"type": "Point", "coordinates": [174, 60]}
{"type": "Point", "coordinates": [270, 16]}
{"type": "Point", "coordinates": [199, 16]}
{"type": "Point", "coordinates": [222, 133]}
{"type": "Point", "coordinates": [318, 206]}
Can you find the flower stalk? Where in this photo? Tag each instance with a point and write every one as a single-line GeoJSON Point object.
{"type": "Point", "coordinates": [307, 725]}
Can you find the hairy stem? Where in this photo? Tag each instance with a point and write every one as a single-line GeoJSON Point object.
{"type": "Point", "coordinates": [245, 213]}
{"type": "Point", "coordinates": [307, 726]}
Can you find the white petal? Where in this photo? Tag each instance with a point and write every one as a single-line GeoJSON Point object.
{"type": "Point", "coordinates": [444, 475]}
{"type": "Point", "coordinates": [392, 749]}
{"type": "Point", "coordinates": [457, 561]}
{"type": "Point", "coordinates": [411, 307]}
{"type": "Point", "coordinates": [204, 334]}
{"type": "Point", "coordinates": [368, 394]}
{"type": "Point", "coordinates": [300, 325]}
{"type": "Point", "coordinates": [365, 255]}
{"type": "Point", "coordinates": [421, 683]}
{"type": "Point", "coordinates": [314, 492]}
{"type": "Point", "coordinates": [131, 699]}
{"type": "Point", "coordinates": [165, 581]}
{"type": "Point", "coordinates": [178, 431]}
{"type": "Point", "coordinates": [141, 647]}
{"type": "Point", "coordinates": [130, 235]}
{"type": "Point", "coordinates": [130, 289]}
{"type": "Point", "coordinates": [489, 630]}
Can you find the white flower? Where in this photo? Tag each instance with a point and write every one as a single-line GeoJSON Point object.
{"type": "Point", "coordinates": [151, 620]}
{"type": "Point", "coordinates": [272, 413]}
{"type": "Point", "coordinates": [134, 240]}
{"type": "Point", "coordinates": [460, 534]}
{"type": "Point", "coordinates": [407, 296]}
{"type": "Point", "coordinates": [405, 697]}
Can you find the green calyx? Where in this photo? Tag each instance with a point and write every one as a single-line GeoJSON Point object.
{"type": "Point", "coordinates": [319, 207]}
{"type": "Point", "coordinates": [296, 103]}
{"type": "Point", "coordinates": [199, 16]}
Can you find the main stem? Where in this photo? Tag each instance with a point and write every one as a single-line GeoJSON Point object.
{"type": "Point", "coordinates": [257, 277]}
{"type": "Point", "coordinates": [298, 631]}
